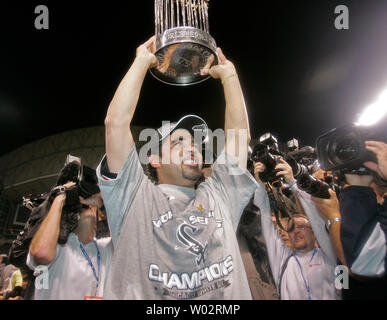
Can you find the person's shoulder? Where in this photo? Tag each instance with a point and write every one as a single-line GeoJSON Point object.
{"type": "Point", "coordinates": [104, 242]}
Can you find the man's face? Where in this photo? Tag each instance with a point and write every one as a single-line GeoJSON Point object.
{"type": "Point", "coordinates": [301, 234]}
{"type": "Point", "coordinates": [88, 217]}
{"type": "Point", "coordinates": [181, 162]}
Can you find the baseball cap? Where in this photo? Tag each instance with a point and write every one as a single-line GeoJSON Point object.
{"type": "Point", "coordinates": [190, 122]}
{"type": "Point", "coordinates": [194, 124]}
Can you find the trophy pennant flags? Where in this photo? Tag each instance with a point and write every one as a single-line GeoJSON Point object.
{"type": "Point", "coordinates": [183, 43]}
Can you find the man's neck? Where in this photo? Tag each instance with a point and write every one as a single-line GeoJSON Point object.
{"type": "Point", "coordinates": [173, 183]}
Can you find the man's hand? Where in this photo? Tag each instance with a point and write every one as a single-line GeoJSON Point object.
{"type": "Point", "coordinates": [62, 196]}
{"type": "Point", "coordinates": [258, 168]}
{"type": "Point", "coordinates": [146, 51]}
{"type": "Point", "coordinates": [328, 208]}
{"type": "Point", "coordinates": [380, 150]}
{"type": "Point", "coordinates": [286, 171]}
{"type": "Point", "coordinates": [222, 70]}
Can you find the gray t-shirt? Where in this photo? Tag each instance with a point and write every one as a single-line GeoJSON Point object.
{"type": "Point", "coordinates": [174, 242]}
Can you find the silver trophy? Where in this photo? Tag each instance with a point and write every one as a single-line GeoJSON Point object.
{"type": "Point", "coordinates": [183, 43]}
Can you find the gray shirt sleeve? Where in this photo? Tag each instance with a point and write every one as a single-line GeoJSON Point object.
{"type": "Point", "coordinates": [231, 183]}
{"type": "Point", "coordinates": [119, 193]}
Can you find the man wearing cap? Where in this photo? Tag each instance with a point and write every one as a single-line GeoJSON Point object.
{"type": "Point", "coordinates": [173, 241]}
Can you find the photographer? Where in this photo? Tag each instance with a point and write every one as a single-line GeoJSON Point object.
{"type": "Point", "coordinates": [77, 269]}
{"type": "Point", "coordinates": [307, 273]}
{"type": "Point", "coordinates": [362, 229]}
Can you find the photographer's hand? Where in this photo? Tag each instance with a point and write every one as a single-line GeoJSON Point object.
{"type": "Point", "coordinates": [258, 168]}
{"type": "Point", "coordinates": [68, 185]}
{"type": "Point", "coordinates": [380, 150]}
{"type": "Point", "coordinates": [330, 209]}
{"type": "Point", "coordinates": [286, 171]}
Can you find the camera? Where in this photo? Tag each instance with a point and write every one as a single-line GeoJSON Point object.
{"type": "Point", "coordinates": [344, 149]}
{"type": "Point", "coordinates": [32, 201]}
{"type": "Point", "coordinates": [267, 152]}
{"type": "Point", "coordinates": [302, 160]}
{"type": "Point", "coordinates": [84, 177]}
{"type": "Point", "coordinates": [86, 182]}
{"type": "Point", "coordinates": [313, 186]}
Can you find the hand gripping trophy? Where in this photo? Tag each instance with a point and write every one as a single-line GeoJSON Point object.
{"type": "Point", "coordinates": [183, 43]}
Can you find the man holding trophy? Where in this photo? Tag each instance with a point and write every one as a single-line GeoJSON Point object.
{"type": "Point", "coordinates": [174, 239]}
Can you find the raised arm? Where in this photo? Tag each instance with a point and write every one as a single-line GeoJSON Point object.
{"type": "Point", "coordinates": [330, 210]}
{"type": "Point", "coordinates": [235, 115]}
{"type": "Point", "coordinates": [277, 250]}
{"type": "Point", "coordinates": [43, 244]}
{"type": "Point", "coordinates": [119, 139]}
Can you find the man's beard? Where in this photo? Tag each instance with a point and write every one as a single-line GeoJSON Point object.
{"type": "Point", "coordinates": [87, 223]}
{"type": "Point", "coordinates": [301, 246]}
{"type": "Point", "coordinates": [191, 174]}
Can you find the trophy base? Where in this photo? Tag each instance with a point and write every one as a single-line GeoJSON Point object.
{"type": "Point", "coordinates": [182, 53]}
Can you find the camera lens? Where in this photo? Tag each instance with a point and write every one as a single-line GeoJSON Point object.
{"type": "Point", "coordinates": [347, 149]}
{"type": "Point", "coordinates": [313, 186]}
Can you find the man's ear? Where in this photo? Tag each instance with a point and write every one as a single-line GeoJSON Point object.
{"type": "Point", "coordinates": [154, 161]}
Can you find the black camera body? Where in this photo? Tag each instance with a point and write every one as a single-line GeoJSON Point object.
{"type": "Point", "coordinates": [270, 158]}
{"type": "Point", "coordinates": [302, 161]}
{"type": "Point", "coordinates": [341, 150]}
{"type": "Point", "coordinates": [86, 182]}
{"type": "Point", "coordinates": [84, 177]}
{"type": "Point", "coordinates": [344, 149]}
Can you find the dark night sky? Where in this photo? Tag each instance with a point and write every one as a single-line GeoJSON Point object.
{"type": "Point", "coordinates": [301, 76]}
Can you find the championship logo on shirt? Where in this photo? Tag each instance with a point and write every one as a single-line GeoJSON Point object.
{"type": "Point", "coordinates": [193, 246]}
